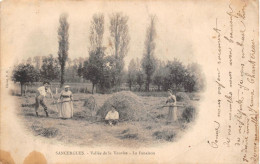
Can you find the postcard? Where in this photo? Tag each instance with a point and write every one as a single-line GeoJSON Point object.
{"type": "Point", "coordinates": [120, 81]}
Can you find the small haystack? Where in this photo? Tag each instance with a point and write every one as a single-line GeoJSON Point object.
{"type": "Point", "coordinates": [128, 105]}
{"type": "Point", "coordinates": [90, 103]}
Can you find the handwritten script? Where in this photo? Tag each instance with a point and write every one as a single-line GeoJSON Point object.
{"type": "Point", "coordinates": [236, 123]}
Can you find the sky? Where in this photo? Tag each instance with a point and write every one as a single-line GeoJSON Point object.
{"type": "Point", "coordinates": [33, 27]}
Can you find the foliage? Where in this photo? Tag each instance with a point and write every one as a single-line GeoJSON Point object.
{"type": "Point", "coordinates": [24, 73]}
{"type": "Point", "coordinates": [50, 68]}
{"type": "Point", "coordinates": [63, 37]}
{"type": "Point", "coordinates": [80, 70]}
{"type": "Point", "coordinates": [160, 73]}
{"type": "Point", "coordinates": [132, 73]}
{"type": "Point", "coordinates": [93, 69]}
{"type": "Point", "coordinates": [140, 79]}
{"type": "Point", "coordinates": [195, 80]}
{"type": "Point", "coordinates": [119, 41]}
{"type": "Point", "coordinates": [176, 77]}
{"type": "Point", "coordinates": [149, 61]}
{"type": "Point", "coordinates": [96, 31]}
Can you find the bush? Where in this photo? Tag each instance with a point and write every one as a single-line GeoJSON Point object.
{"type": "Point", "coordinates": [189, 114]}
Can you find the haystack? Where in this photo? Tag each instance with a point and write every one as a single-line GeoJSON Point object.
{"type": "Point", "coordinates": [128, 105]}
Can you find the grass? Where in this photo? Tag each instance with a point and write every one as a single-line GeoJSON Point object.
{"type": "Point", "coordinates": [83, 129]}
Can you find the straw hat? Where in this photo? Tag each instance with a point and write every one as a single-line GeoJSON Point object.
{"type": "Point", "coordinates": [66, 86]}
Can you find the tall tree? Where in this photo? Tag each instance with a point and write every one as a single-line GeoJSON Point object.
{"type": "Point", "coordinates": [132, 73]}
{"type": "Point", "coordinates": [63, 37]}
{"type": "Point", "coordinates": [96, 32]}
{"type": "Point", "coordinates": [24, 73]}
{"type": "Point", "coordinates": [94, 67]}
{"type": "Point", "coordinates": [149, 61]}
{"type": "Point", "coordinates": [119, 41]}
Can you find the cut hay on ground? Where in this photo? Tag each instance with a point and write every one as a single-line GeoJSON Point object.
{"type": "Point", "coordinates": [128, 105]}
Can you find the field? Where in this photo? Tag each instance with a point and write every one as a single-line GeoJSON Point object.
{"type": "Point", "coordinates": [83, 129]}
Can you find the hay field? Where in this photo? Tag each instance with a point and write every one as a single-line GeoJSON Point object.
{"type": "Point", "coordinates": [84, 130]}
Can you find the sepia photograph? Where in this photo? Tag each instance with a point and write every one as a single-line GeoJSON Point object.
{"type": "Point", "coordinates": [105, 91]}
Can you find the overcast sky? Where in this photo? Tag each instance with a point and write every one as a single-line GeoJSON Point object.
{"type": "Point", "coordinates": [34, 30]}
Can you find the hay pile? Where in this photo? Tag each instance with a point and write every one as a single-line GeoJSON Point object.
{"type": "Point", "coordinates": [90, 103]}
{"type": "Point", "coordinates": [128, 105]}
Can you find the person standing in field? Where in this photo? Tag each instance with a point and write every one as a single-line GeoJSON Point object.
{"type": "Point", "coordinates": [171, 102]}
{"type": "Point", "coordinates": [40, 97]}
{"type": "Point", "coordinates": [66, 107]}
{"type": "Point", "coordinates": [112, 117]}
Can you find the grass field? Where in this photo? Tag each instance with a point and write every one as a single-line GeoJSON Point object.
{"type": "Point", "coordinates": [83, 129]}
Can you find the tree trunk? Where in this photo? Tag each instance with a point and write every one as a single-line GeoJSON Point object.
{"type": "Point", "coordinates": [147, 83]}
{"type": "Point", "coordinates": [62, 76]}
{"type": "Point", "coordinates": [147, 86]}
{"type": "Point", "coordinates": [21, 89]}
{"type": "Point", "coordinates": [130, 85]}
{"type": "Point", "coordinates": [158, 87]}
{"type": "Point", "coordinates": [25, 91]}
{"type": "Point", "coordinates": [93, 86]}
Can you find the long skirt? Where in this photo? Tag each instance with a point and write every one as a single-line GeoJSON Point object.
{"type": "Point", "coordinates": [66, 110]}
{"type": "Point", "coordinates": [172, 114]}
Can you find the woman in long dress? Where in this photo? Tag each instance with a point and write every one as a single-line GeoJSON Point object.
{"type": "Point", "coordinates": [172, 114]}
{"type": "Point", "coordinates": [66, 110]}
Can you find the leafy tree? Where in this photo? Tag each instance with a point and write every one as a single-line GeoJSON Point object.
{"type": "Point", "coordinates": [24, 73]}
{"type": "Point", "coordinates": [119, 41]}
{"type": "Point", "coordinates": [96, 32]}
{"type": "Point", "coordinates": [160, 74]}
{"type": "Point", "coordinates": [63, 37]}
{"type": "Point", "coordinates": [195, 80]}
{"type": "Point", "coordinates": [50, 68]}
{"type": "Point", "coordinates": [132, 72]}
{"type": "Point", "coordinates": [189, 82]}
{"type": "Point", "coordinates": [80, 70]}
{"type": "Point", "coordinates": [176, 77]}
{"type": "Point", "coordinates": [37, 62]}
{"type": "Point", "coordinates": [94, 67]}
{"type": "Point", "coordinates": [140, 79]}
{"type": "Point", "coordinates": [149, 61]}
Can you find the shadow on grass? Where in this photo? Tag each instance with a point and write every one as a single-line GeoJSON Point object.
{"type": "Point", "coordinates": [164, 135]}
{"type": "Point", "coordinates": [45, 132]}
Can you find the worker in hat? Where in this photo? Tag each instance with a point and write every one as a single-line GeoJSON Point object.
{"type": "Point", "coordinates": [40, 97]}
{"type": "Point", "coordinates": [171, 102]}
{"type": "Point", "coordinates": [66, 105]}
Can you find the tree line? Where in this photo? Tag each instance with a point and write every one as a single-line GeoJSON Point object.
{"type": "Point", "coordinates": [104, 67]}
